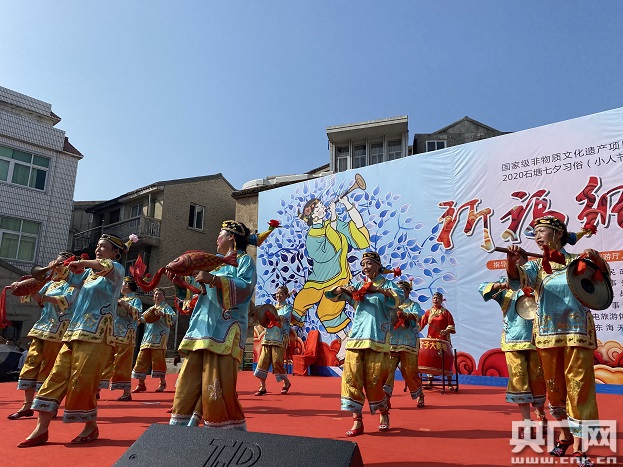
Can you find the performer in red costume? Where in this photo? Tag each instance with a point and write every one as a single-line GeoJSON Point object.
{"type": "Point", "coordinates": [439, 320]}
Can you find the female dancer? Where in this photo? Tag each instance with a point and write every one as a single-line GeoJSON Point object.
{"type": "Point", "coordinates": [87, 344]}
{"type": "Point", "coordinates": [274, 344]}
{"type": "Point", "coordinates": [526, 384]}
{"type": "Point", "coordinates": [214, 342]}
{"type": "Point", "coordinates": [564, 331]}
{"type": "Point", "coordinates": [56, 298]}
{"type": "Point", "coordinates": [154, 345]}
{"type": "Point", "coordinates": [405, 346]}
{"type": "Point", "coordinates": [118, 370]}
{"type": "Point", "coordinates": [366, 365]}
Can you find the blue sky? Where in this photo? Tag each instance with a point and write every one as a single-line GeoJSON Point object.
{"type": "Point", "coordinates": [159, 90]}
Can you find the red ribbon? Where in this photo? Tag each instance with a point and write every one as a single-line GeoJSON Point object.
{"type": "Point", "coordinates": [3, 321]}
{"type": "Point", "coordinates": [400, 322]}
{"type": "Point", "coordinates": [551, 255]}
{"type": "Point", "coordinates": [528, 291]}
{"type": "Point", "coordinates": [272, 320]}
{"type": "Point", "coordinates": [359, 294]}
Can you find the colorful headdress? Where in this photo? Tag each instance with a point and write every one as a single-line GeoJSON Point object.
{"type": "Point", "coordinates": [405, 284]}
{"type": "Point", "coordinates": [372, 256]}
{"type": "Point", "coordinates": [551, 222]}
{"type": "Point", "coordinates": [65, 254]}
{"type": "Point", "coordinates": [115, 241]}
{"type": "Point", "coordinates": [133, 238]}
{"type": "Point", "coordinates": [235, 227]}
{"type": "Point", "coordinates": [284, 289]}
{"type": "Point", "coordinates": [258, 238]}
{"type": "Point", "coordinates": [587, 230]}
{"type": "Point", "coordinates": [569, 237]}
{"type": "Point", "coordinates": [375, 257]}
{"type": "Point", "coordinates": [129, 280]}
{"type": "Point", "coordinates": [438, 294]}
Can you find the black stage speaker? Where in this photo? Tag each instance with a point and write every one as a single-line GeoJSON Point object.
{"type": "Point", "coordinates": [168, 445]}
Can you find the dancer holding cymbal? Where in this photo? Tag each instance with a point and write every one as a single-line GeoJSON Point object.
{"type": "Point", "coordinates": [564, 329]}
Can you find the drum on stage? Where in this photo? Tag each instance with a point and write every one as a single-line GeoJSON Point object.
{"type": "Point", "coordinates": [433, 354]}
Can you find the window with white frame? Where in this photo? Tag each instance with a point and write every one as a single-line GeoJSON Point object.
{"type": "Point", "coordinates": [394, 150]}
{"type": "Point", "coordinates": [195, 216]}
{"type": "Point", "coordinates": [376, 153]}
{"type": "Point", "coordinates": [18, 238]}
{"type": "Point", "coordinates": [136, 210]}
{"type": "Point", "coordinates": [359, 156]}
{"type": "Point", "coordinates": [433, 145]}
{"type": "Point", "coordinates": [23, 168]}
{"type": "Point", "coordinates": [342, 154]}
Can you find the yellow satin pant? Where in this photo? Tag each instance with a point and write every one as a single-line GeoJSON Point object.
{"type": "Point", "coordinates": [147, 357]}
{"type": "Point", "coordinates": [526, 383]}
{"type": "Point", "coordinates": [570, 379]}
{"type": "Point", "coordinates": [271, 354]}
{"type": "Point", "coordinates": [206, 389]}
{"type": "Point", "coordinates": [75, 378]}
{"type": "Point", "coordinates": [365, 371]}
{"type": "Point", "coordinates": [39, 363]}
{"type": "Point", "coordinates": [410, 372]}
{"type": "Point", "coordinates": [118, 370]}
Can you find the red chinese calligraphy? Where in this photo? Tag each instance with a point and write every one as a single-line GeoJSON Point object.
{"type": "Point", "coordinates": [538, 204]}
{"type": "Point", "coordinates": [598, 210]}
{"type": "Point", "coordinates": [451, 216]}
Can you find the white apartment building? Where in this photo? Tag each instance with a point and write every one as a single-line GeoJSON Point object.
{"type": "Point", "coordinates": [38, 169]}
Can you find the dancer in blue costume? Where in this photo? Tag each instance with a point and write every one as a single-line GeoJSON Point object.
{"type": "Point", "coordinates": [526, 383]}
{"type": "Point", "coordinates": [118, 370]}
{"type": "Point", "coordinates": [87, 344]}
{"type": "Point", "coordinates": [56, 298]}
{"type": "Point", "coordinates": [564, 331]}
{"type": "Point", "coordinates": [214, 343]}
{"type": "Point", "coordinates": [366, 365]}
{"type": "Point", "coordinates": [274, 344]}
{"type": "Point", "coordinates": [154, 344]}
{"type": "Point", "coordinates": [405, 346]}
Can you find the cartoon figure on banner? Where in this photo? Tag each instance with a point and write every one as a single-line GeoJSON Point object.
{"type": "Point", "coordinates": [327, 243]}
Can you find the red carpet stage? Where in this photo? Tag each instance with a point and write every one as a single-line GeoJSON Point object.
{"type": "Point", "coordinates": [471, 427]}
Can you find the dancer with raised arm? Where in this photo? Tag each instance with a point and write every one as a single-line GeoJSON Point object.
{"type": "Point", "coordinates": [214, 343]}
{"type": "Point", "coordinates": [87, 344]}
{"type": "Point", "coordinates": [564, 330]}
{"type": "Point", "coordinates": [56, 298]}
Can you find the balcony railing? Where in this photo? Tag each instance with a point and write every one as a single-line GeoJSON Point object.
{"type": "Point", "coordinates": [147, 228]}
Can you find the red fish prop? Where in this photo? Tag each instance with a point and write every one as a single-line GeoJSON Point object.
{"type": "Point", "coordinates": [197, 260]}
{"type": "Point", "coordinates": [184, 265]}
{"type": "Point", "coordinates": [28, 285]}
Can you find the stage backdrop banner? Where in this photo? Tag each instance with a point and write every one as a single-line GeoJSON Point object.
{"type": "Point", "coordinates": [438, 216]}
